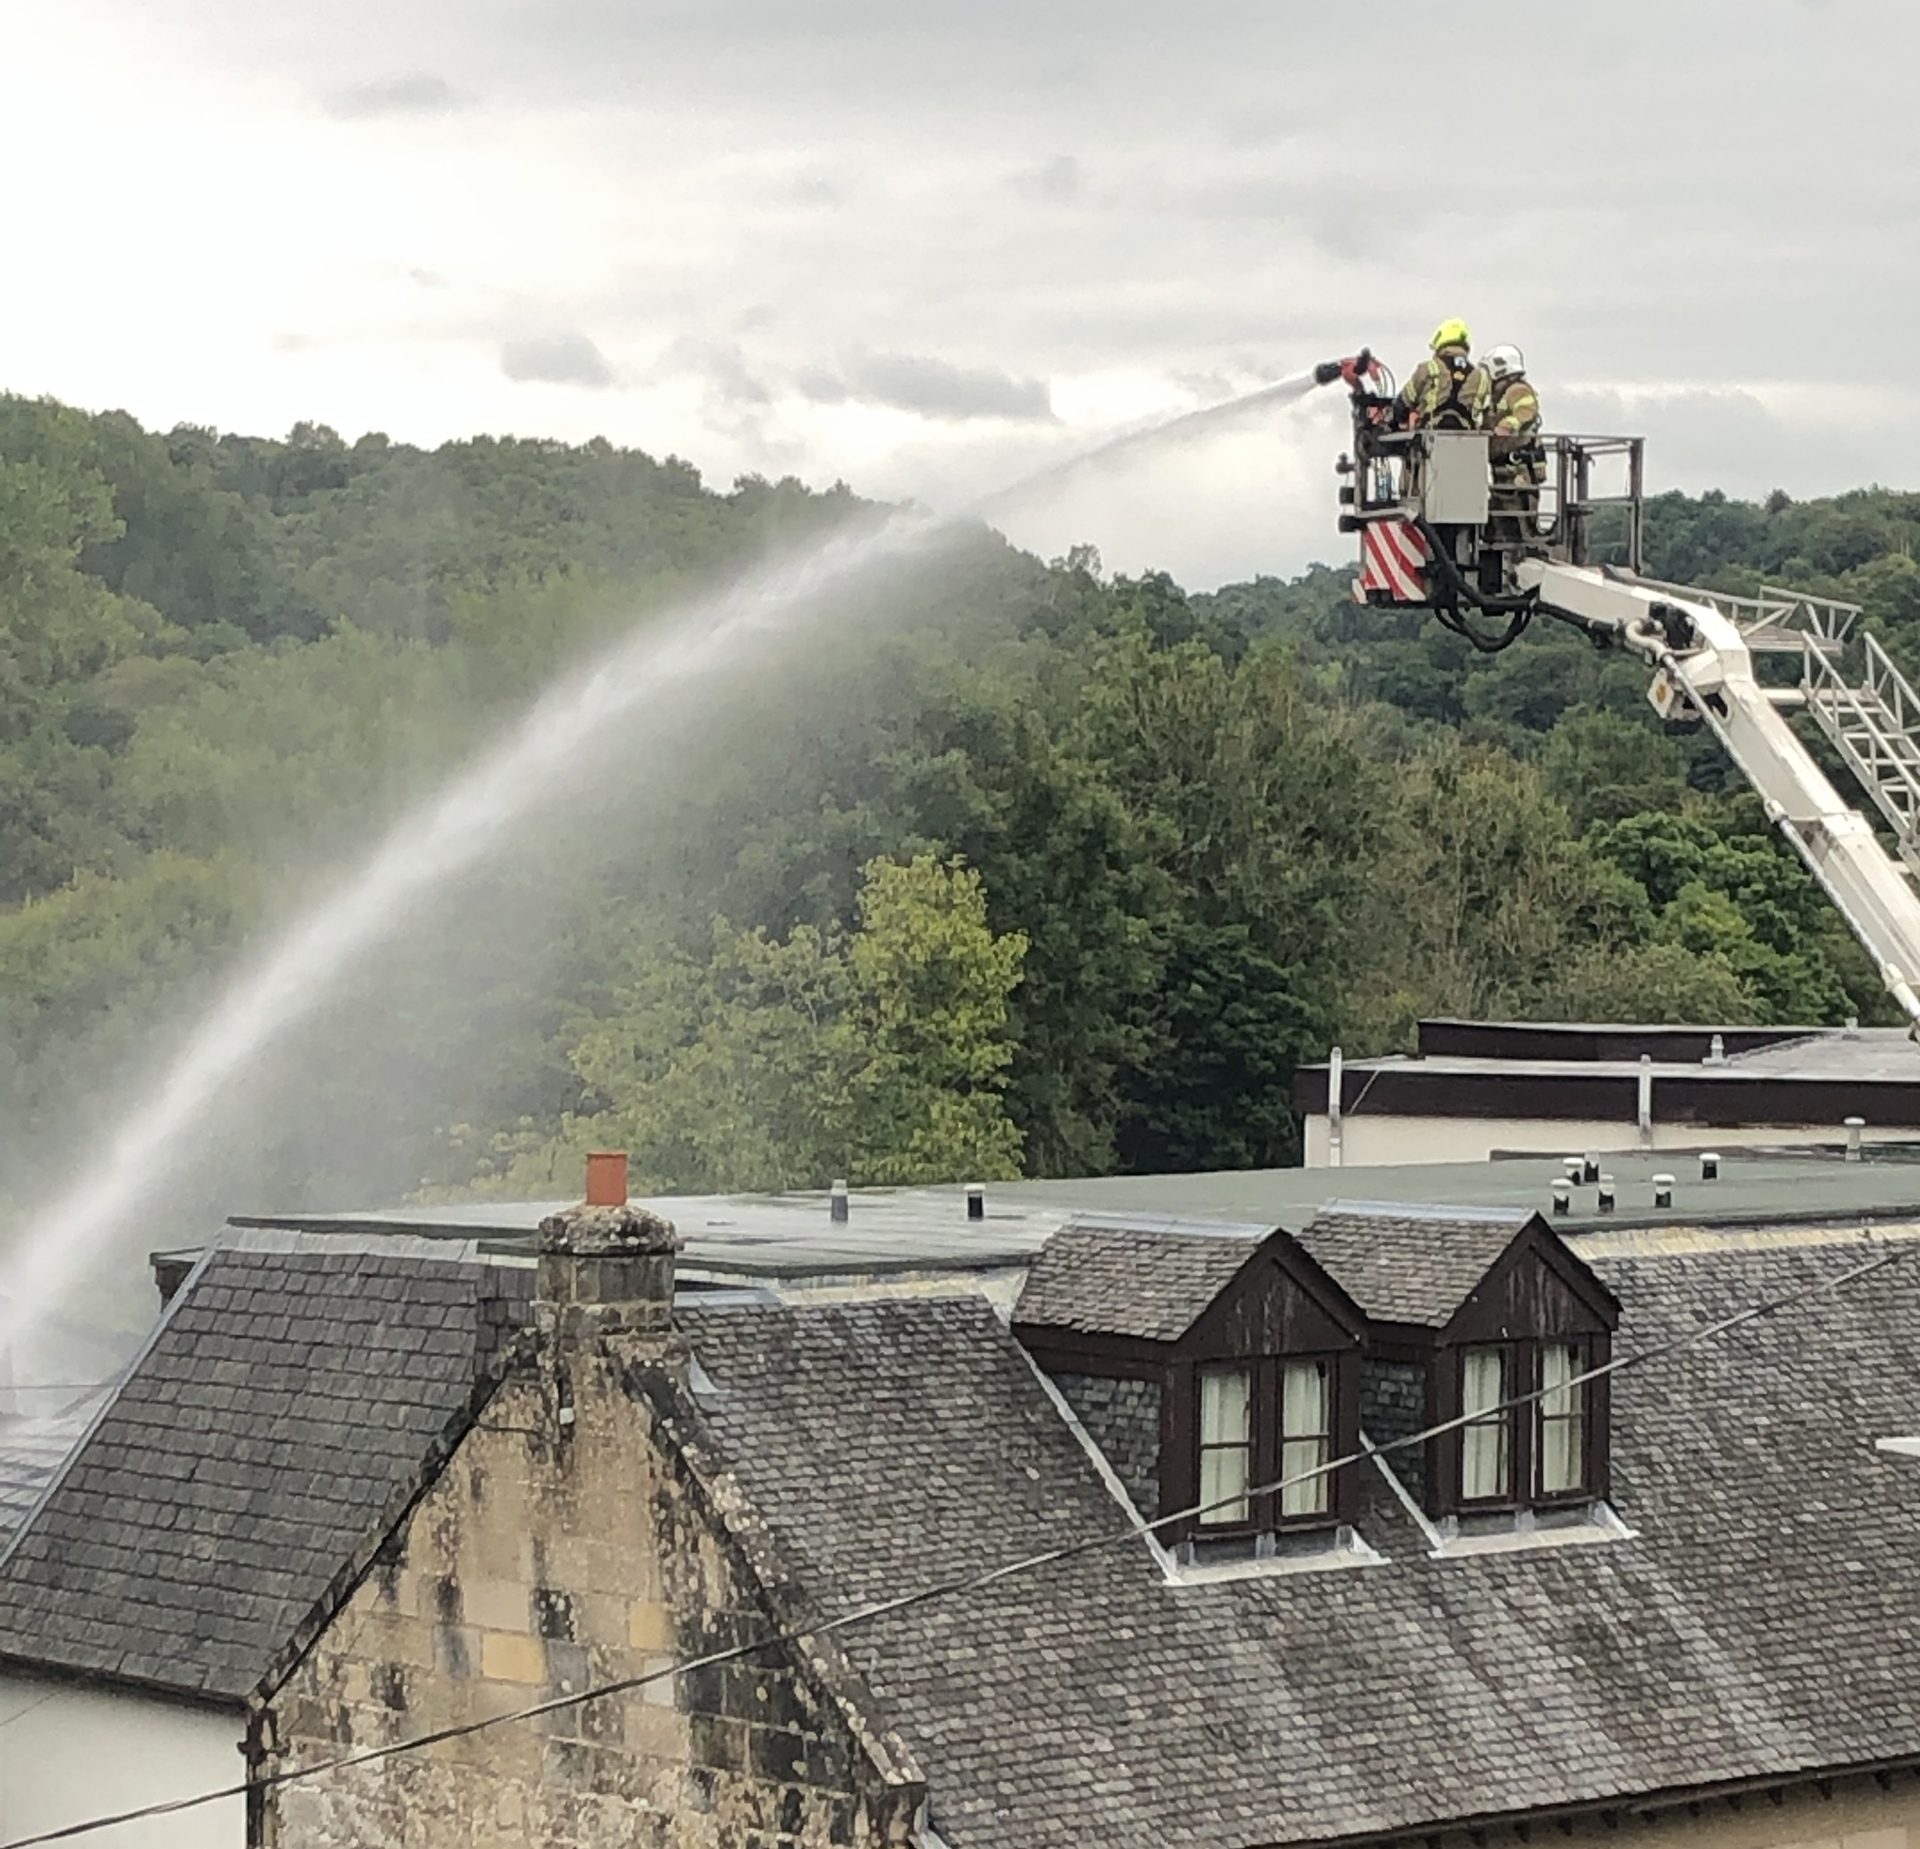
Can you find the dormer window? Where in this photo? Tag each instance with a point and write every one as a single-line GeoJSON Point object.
{"type": "Point", "coordinates": [1244, 1355]}
{"type": "Point", "coordinates": [1264, 1424]}
{"type": "Point", "coordinates": [1482, 1323]}
{"type": "Point", "coordinates": [1532, 1451]}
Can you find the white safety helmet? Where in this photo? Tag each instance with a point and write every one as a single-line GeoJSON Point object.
{"type": "Point", "coordinates": [1504, 361]}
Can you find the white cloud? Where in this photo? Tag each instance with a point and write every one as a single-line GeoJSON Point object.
{"type": "Point", "coordinates": [1027, 225]}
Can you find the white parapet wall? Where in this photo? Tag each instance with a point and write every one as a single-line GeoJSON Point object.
{"type": "Point", "coordinates": [70, 1752]}
{"type": "Point", "coordinates": [1391, 1141]}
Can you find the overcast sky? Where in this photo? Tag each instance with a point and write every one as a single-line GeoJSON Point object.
{"type": "Point", "coordinates": [930, 248]}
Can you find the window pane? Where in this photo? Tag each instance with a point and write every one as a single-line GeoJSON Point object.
{"type": "Point", "coordinates": [1226, 1443]}
{"type": "Point", "coordinates": [1306, 1428]}
{"type": "Point", "coordinates": [1226, 1398]}
{"type": "Point", "coordinates": [1483, 1460]}
{"type": "Point", "coordinates": [1303, 1409]}
{"type": "Point", "coordinates": [1562, 1425]}
{"type": "Point", "coordinates": [1223, 1484]}
{"type": "Point", "coordinates": [1482, 1379]}
{"type": "Point", "coordinates": [1310, 1495]}
{"type": "Point", "coordinates": [1485, 1464]}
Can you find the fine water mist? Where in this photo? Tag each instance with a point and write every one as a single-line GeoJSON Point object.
{"type": "Point", "coordinates": [1190, 427]}
{"type": "Point", "coordinates": [669, 664]}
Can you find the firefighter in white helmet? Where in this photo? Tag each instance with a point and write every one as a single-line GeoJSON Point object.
{"type": "Point", "coordinates": [1519, 468]}
{"type": "Point", "coordinates": [1513, 414]}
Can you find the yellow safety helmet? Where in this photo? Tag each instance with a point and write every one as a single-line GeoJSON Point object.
{"type": "Point", "coordinates": [1451, 334]}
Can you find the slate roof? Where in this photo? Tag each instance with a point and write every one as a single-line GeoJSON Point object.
{"type": "Point", "coordinates": [1409, 1265]}
{"type": "Point", "coordinates": [283, 1401]}
{"type": "Point", "coordinates": [32, 1448]}
{"type": "Point", "coordinates": [1121, 1280]}
{"type": "Point", "coordinates": [1765, 1621]}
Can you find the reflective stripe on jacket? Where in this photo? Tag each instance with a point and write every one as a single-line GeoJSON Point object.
{"type": "Point", "coordinates": [1448, 392]}
{"type": "Point", "coordinates": [1514, 416]}
{"type": "Point", "coordinates": [1516, 408]}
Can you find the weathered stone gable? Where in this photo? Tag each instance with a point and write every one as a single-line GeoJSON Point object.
{"type": "Point", "coordinates": [546, 1559]}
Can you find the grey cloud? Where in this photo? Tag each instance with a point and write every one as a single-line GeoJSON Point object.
{"type": "Point", "coordinates": [929, 387]}
{"type": "Point", "coordinates": [721, 367]}
{"type": "Point", "coordinates": [416, 93]}
{"type": "Point", "coordinates": [564, 358]}
{"type": "Point", "coordinates": [1058, 181]}
{"type": "Point", "coordinates": [1081, 197]}
{"type": "Point", "coordinates": [809, 191]}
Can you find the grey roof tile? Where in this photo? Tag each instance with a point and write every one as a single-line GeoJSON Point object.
{"type": "Point", "coordinates": [196, 1525]}
{"type": "Point", "coordinates": [1120, 1280]}
{"type": "Point", "coordinates": [1409, 1265]}
{"type": "Point", "coordinates": [32, 1449]}
{"type": "Point", "coordinates": [1765, 1622]}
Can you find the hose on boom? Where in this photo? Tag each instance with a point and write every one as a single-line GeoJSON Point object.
{"type": "Point", "coordinates": [1519, 611]}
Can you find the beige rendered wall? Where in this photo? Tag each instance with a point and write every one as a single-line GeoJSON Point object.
{"type": "Point", "coordinates": [537, 1567]}
{"type": "Point", "coordinates": [68, 1753]}
{"type": "Point", "coordinates": [1859, 1815]}
{"type": "Point", "coordinates": [1389, 1142]}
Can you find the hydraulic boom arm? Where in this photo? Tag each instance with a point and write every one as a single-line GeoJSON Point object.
{"type": "Point", "coordinates": [1489, 539]}
{"type": "Point", "coordinates": [1704, 669]}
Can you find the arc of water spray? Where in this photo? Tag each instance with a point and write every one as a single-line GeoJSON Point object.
{"type": "Point", "coordinates": [295, 974]}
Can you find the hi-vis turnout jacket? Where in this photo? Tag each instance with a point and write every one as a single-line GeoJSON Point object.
{"type": "Point", "coordinates": [1447, 392]}
{"type": "Point", "coordinates": [1513, 415]}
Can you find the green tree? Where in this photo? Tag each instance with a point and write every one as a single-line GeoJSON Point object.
{"type": "Point", "coordinates": [880, 1055]}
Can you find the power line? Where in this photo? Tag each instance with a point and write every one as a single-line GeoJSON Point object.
{"type": "Point", "coordinates": [32, 1707]}
{"type": "Point", "coordinates": [974, 1582]}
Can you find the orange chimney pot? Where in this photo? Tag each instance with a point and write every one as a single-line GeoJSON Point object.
{"type": "Point", "coordinates": [607, 1178]}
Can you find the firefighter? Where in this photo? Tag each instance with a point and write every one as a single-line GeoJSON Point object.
{"type": "Point", "coordinates": [1513, 415]}
{"type": "Point", "coordinates": [1447, 391]}
{"type": "Point", "coordinates": [1519, 468]}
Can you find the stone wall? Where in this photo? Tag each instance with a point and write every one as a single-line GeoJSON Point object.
{"type": "Point", "coordinates": [1123, 1418]}
{"type": "Point", "coordinates": [1393, 1404]}
{"type": "Point", "coordinates": [546, 1560]}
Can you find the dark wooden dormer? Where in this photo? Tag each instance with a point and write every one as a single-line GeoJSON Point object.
{"type": "Point", "coordinates": [1480, 1310]}
{"type": "Point", "coordinates": [1208, 1367]}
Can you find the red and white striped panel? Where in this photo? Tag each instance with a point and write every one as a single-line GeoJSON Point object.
{"type": "Point", "coordinates": [1394, 559]}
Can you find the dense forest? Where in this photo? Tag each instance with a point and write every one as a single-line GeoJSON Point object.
{"type": "Point", "coordinates": [1049, 871]}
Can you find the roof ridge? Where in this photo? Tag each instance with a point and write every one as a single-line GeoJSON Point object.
{"type": "Point", "coordinates": [1417, 1210]}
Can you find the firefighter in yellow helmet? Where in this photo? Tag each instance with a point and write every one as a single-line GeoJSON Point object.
{"type": "Point", "coordinates": [1447, 390]}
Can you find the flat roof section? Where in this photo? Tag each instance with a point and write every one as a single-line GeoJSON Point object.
{"type": "Point", "coordinates": [925, 1231]}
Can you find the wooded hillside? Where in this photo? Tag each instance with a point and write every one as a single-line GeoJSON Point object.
{"type": "Point", "coordinates": [1047, 871]}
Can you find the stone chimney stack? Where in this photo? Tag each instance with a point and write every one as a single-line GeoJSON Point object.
{"type": "Point", "coordinates": [606, 1268]}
